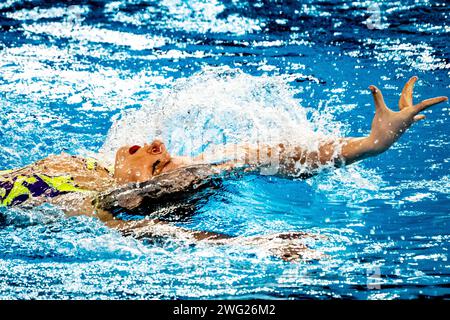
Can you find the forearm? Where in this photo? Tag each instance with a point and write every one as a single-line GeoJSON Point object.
{"type": "Point", "coordinates": [356, 149]}
{"type": "Point", "coordinates": [343, 151]}
{"type": "Point", "coordinates": [287, 246]}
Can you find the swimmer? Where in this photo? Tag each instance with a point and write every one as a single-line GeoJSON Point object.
{"type": "Point", "coordinates": [72, 182]}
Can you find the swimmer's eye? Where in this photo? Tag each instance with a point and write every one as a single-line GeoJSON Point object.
{"type": "Point", "coordinates": [133, 149]}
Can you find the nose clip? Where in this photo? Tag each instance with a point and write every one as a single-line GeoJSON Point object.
{"type": "Point", "coordinates": [156, 148]}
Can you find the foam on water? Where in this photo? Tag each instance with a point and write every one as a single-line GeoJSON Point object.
{"type": "Point", "coordinates": [196, 16]}
{"type": "Point", "coordinates": [70, 12]}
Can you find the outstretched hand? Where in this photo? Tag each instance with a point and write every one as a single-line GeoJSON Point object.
{"type": "Point", "coordinates": [389, 125]}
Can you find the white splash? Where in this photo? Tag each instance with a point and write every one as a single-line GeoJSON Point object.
{"type": "Point", "coordinates": [78, 32]}
{"type": "Point", "coordinates": [71, 12]}
{"type": "Point", "coordinates": [222, 106]}
{"type": "Point", "coordinates": [194, 16]}
{"type": "Point", "coordinates": [26, 71]}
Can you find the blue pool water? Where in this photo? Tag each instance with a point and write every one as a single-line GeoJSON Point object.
{"type": "Point", "coordinates": [214, 71]}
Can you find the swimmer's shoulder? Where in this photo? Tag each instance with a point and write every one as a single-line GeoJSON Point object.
{"type": "Point", "coordinates": [63, 164]}
{"type": "Point", "coordinates": [88, 172]}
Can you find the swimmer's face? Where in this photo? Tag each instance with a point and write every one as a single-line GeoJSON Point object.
{"type": "Point", "coordinates": [140, 163]}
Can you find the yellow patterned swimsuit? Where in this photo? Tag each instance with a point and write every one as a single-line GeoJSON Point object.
{"type": "Point", "coordinates": [16, 187]}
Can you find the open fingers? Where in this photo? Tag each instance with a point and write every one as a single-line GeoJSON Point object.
{"type": "Point", "coordinates": [377, 97]}
{"type": "Point", "coordinates": [425, 104]}
{"type": "Point", "coordinates": [406, 98]}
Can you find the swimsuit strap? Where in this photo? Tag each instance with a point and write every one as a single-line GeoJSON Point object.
{"type": "Point", "coordinates": [93, 164]}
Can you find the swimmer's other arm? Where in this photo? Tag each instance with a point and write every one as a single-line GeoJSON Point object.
{"type": "Point", "coordinates": [288, 246]}
{"type": "Point", "coordinates": [153, 228]}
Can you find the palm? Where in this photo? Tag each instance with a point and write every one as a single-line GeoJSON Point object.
{"type": "Point", "coordinates": [388, 125]}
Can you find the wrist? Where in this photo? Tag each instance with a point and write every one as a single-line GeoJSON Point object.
{"type": "Point", "coordinates": [376, 146]}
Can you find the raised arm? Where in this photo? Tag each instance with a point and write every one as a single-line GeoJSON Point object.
{"type": "Point", "coordinates": [387, 125]}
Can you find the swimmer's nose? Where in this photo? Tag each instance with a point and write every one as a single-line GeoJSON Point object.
{"type": "Point", "coordinates": [157, 147]}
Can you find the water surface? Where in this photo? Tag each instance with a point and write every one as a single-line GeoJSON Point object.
{"type": "Point", "coordinates": [202, 72]}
